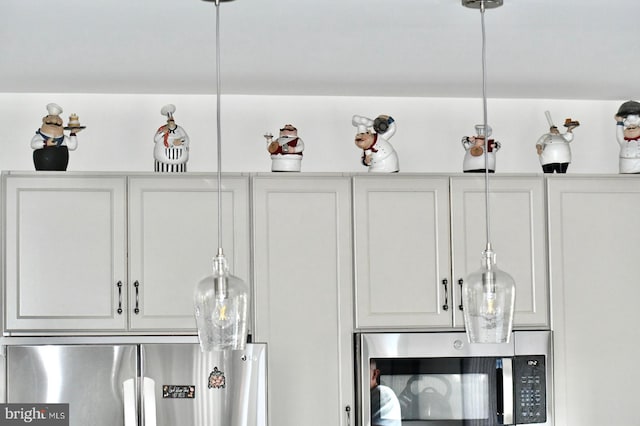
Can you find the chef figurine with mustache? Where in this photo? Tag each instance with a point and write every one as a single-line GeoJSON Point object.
{"type": "Point", "coordinates": [286, 151]}
{"type": "Point", "coordinates": [51, 146]}
{"type": "Point", "coordinates": [377, 153]}
{"type": "Point", "coordinates": [628, 135]}
{"type": "Point", "coordinates": [474, 157]}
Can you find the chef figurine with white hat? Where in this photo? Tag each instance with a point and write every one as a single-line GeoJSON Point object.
{"type": "Point", "coordinates": [553, 147]}
{"type": "Point", "coordinates": [474, 157]}
{"type": "Point", "coordinates": [286, 150]}
{"type": "Point", "coordinates": [377, 153]}
{"type": "Point", "coordinates": [628, 135]}
{"type": "Point", "coordinates": [171, 150]}
{"type": "Point", "coordinates": [51, 146]}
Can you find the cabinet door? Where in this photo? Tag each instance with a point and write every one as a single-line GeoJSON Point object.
{"type": "Point", "coordinates": [303, 285]}
{"type": "Point", "coordinates": [173, 237]}
{"type": "Point", "coordinates": [402, 251]}
{"type": "Point", "coordinates": [517, 218]}
{"type": "Point", "coordinates": [65, 252]}
{"type": "Point", "coordinates": [594, 235]}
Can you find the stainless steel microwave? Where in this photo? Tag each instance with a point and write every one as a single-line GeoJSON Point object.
{"type": "Point", "coordinates": [440, 379]}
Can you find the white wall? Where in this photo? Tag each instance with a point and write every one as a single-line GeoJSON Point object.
{"type": "Point", "coordinates": [120, 129]}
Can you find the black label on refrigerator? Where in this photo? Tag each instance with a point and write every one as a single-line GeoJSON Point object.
{"type": "Point", "coordinates": [179, 391]}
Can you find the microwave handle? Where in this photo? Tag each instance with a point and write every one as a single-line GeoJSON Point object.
{"type": "Point", "coordinates": [507, 391]}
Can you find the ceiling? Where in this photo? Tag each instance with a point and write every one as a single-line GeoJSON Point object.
{"type": "Point", "coordinates": [561, 49]}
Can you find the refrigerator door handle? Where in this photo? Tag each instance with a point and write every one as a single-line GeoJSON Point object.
{"type": "Point", "coordinates": [129, 399]}
{"type": "Point", "coordinates": [149, 401]}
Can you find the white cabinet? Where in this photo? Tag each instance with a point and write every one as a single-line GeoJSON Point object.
{"type": "Point", "coordinates": [593, 251]}
{"type": "Point", "coordinates": [173, 237]}
{"type": "Point", "coordinates": [114, 253]}
{"type": "Point", "coordinates": [401, 230]}
{"type": "Point", "coordinates": [303, 287]}
{"type": "Point", "coordinates": [418, 236]}
{"type": "Point", "coordinates": [65, 252]}
{"type": "Point", "coordinates": [517, 226]}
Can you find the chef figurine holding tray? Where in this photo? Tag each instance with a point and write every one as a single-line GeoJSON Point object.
{"type": "Point", "coordinates": [51, 146]}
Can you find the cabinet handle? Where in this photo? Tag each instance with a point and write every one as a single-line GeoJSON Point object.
{"type": "Point", "coordinates": [119, 310]}
{"type": "Point", "coordinates": [136, 310]}
{"type": "Point", "coordinates": [445, 283]}
{"type": "Point", "coordinates": [347, 410]}
{"type": "Point", "coordinates": [460, 282]}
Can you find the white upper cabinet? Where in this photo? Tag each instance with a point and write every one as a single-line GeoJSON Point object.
{"type": "Point", "coordinates": [402, 255]}
{"type": "Point", "coordinates": [418, 236]}
{"type": "Point", "coordinates": [517, 231]}
{"type": "Point", "coordinates": [303, 291]}
{"type": "Point", "coordinates": [173, 237]}
{"type": "Point", "coordinates": [593, 252]}
{"type": "Point", "coordinates": [65, 252]}
{"type": "Point", "coordinates": [110, 253]}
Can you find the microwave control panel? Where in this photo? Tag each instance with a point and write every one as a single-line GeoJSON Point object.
{"type": "Point", "coordinates": [529, 379]}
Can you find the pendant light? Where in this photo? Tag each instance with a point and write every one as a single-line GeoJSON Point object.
{"type": "Point", "coordinates": [488, 294]}
{"type": "Point", "coordinates": [221, 299]}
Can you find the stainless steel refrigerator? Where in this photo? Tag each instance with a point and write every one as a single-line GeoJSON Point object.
{"type": "Point", "coordinates": [140, 384]}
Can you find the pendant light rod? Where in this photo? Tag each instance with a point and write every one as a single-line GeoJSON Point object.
{"type": "Point", "coordinates": [218, 129]}
{"type": "Point", "coordinates": [485, 123]}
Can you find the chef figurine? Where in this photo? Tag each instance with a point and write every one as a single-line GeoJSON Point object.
{"type": "Point", "coordinates": [628, 135]}
{"type": "Point", "coordinates": [377, 153]}
{"type": "Point", "coordinates": [286, 151]}
{"type": "Point", "coordinates": [51, 146]}
{"type": "Point", "coordinates": [553, 147]}
{"type": "Point", "coordinates": [474, 158]}
{"type": "Point", "coordinates": [171, 149]}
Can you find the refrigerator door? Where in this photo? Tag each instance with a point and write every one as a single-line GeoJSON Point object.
{"type": "Point", "coordinates": [183, 386]}
{"type": "Point", "coordinates": [92, 379]}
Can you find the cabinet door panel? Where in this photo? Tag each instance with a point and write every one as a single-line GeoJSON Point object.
{"type": "Point", "coordinates": [303, 284]}
{"type": "Point", "coordinates": [65, 253]}
{"type": "Point", "coordinates": [517, 233]}
{"type": "Point", "coordinates": [593, 236]}
{"type": "Point", "coordinates": [173, 232]}
{"type": "Point", "coordinates": [402, 251]}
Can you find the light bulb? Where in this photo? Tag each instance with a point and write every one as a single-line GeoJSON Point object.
{"type": "Point", "coordinates": [221, 301]}
{"type": "Point", "coordinates": [488, 297]}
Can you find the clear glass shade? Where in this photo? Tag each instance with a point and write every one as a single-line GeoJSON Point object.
{"type": "Point", "coordinates": [221, 301]}
{"type": "Point", "coordinates": [488, 297]}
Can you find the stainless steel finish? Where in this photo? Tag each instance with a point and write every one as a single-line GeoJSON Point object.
{"type": "Point", "coordinates": [507, 390]}
{"type": "Point", "coordinates": [89, 378]}
{"type": "Point", "coordinates": [121, 383]}
{"type": "Point", "coordinates": [243, 398]}
{"type": "Point", "coordinates": [443, 345]}
{"type": "Point", "coordinates": [477, 4]}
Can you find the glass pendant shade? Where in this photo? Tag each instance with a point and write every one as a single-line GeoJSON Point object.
{"type": "Point", "coordinates": [221, 302]}
{"type": "Point", "coordinates": [488, 297]}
